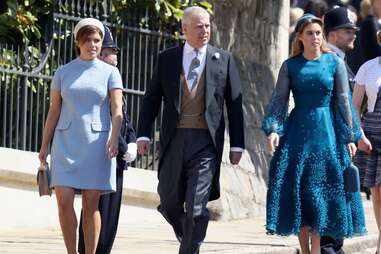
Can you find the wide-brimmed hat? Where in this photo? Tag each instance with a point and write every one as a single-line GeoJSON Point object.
{"type": "Point", "coordinates": [108, 40]}
{"type": "Point", "coordinates": [308, 17]}
{"type": "Point", "coordinates": [339, 17]}
{"type": "Point", "coordinates": [89, 22]}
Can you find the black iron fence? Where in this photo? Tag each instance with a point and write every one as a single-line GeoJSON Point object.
{"type": "Point", "coordinates": [26, 71]}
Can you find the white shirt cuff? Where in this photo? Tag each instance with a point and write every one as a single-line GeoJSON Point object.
{"type": "Point", "coordinates": [143, 139]}
{"type": "Point", "coordinates": [236, 149]}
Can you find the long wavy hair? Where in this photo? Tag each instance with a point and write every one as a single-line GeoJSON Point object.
{"type": "Point", "coordinates": [297, 46]}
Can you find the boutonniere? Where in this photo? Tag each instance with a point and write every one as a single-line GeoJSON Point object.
{"type": "Point", "coordinates": [216, 56]}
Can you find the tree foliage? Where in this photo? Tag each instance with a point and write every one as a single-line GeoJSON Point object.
{"type": "Point", "coordinates": [166, 13]}
{"type": "Point", "coordinates": [22, 20]}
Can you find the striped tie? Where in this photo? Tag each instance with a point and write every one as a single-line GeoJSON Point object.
{"type": "Point", "coordinates": [192, 73]}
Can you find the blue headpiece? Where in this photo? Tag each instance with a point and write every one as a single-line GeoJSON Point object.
{"type": "Point", "coordinates": [306, 18]}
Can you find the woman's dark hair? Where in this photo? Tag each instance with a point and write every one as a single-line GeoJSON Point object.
{"type": "Point", "coordinates": [316, 7]}
{"type": "Point", "coordinates": [82, 35]}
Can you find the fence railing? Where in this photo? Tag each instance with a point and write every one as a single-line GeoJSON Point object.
{"type": "Point", "coordinates": [26, 72]}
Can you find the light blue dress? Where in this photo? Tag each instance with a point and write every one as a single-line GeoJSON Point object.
{"type": "Point", "coordinates": [305, 185]}
{"type": "Point", "coordinates": [78, 154]}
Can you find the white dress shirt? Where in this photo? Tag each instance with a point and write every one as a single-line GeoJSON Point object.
{"type": "Point", "coordinates": [188, 54]}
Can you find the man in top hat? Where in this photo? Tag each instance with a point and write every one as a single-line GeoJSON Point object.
{"type": "Point", "coordinates": [109, 204]}
{"type": "Point", "coordinates": [340, 31]}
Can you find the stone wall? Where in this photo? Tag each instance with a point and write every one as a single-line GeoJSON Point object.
{"type": "Point", "coordinates": [256, 32]}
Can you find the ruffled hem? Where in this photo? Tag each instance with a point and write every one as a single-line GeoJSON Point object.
{"type": "Point", "coordinates": [271, 230]}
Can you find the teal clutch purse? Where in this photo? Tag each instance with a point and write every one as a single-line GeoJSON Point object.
{"type": "Point", "coordinates": [351, 179]}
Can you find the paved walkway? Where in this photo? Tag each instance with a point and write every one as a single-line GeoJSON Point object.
{"type": "Point", "coordinates": [143, 231]}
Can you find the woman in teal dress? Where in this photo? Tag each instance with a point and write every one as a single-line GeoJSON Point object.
{"type": "Point", "coordinates": [312, 145]}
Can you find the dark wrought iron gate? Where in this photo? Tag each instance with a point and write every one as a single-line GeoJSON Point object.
{"type": "Point", "coordinates": [25, 75]}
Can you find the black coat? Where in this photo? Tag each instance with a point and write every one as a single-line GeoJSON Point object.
{"type": "Point", "coordinates": [222, 85]}
{"type": "Point", "coordinates": [368, 38]}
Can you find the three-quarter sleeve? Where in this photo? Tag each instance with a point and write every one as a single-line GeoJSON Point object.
{"type": "Point", "coordinates": [115, 80]}
{"type": "Point", "coordinates": [347, 124]}
{"type": "Point", "coordinates": [277, 110]}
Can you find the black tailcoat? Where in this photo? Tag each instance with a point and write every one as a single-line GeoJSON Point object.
{"type": "Point", "coordinates": [222, 86]}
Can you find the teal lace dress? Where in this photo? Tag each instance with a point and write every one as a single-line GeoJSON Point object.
{"type": "Point", "coordinates": [305, 186]}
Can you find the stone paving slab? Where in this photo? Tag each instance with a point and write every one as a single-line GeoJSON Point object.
{"type": "Point", "coordinates": [143, 231]}
{"type": "Point", "coordinates": [29, 224]}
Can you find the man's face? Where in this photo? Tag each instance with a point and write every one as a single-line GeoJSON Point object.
{"type": "Point", "coordinates": [343, 38]}
{"type": "Point", "coordinates": [109, 55]}
{"type": "Point", "coordinates": [197, 31]}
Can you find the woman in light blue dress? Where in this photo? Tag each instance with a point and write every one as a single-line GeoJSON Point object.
{"type": "Point", "coordinates": [313, 145]}
{"type": "Point", "coordinates": [84, 117]}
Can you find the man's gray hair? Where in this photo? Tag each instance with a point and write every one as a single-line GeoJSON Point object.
{"type": "Point", "coordinates": [193, 10]}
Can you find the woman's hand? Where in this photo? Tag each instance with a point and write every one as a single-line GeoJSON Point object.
{"type": "Point", "coordinates": [43, 154]}
{"type": "Point", "coordinates": [112, 148]}
{"type": "Point", "coordinates": [272, 142]}
{"type": "Point", "coordinates": [364, 144]}
{"type": "Point", "coordinates": [352, 149]}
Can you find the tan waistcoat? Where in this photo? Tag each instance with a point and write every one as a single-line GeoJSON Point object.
{"type": "Point", "coordinates": [192, 105]}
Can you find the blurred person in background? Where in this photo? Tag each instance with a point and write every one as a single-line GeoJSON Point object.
{"type": "Point", "coordinates": [316, 7]}
{"type": "Point", "coordinates": [368, 38]}
{"type": "Point", "coordinates": [340, 31]}
{"type": "Point", "coordinates": [295, 14]}
{"type": "Point", "coordinates": [368, 160]}
{"type": "Point", "coordinates": [355, 57]}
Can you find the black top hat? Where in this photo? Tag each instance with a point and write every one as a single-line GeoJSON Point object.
{"type": "Point", "coordinates": [108, 40]}
{"type": "Point", "coordinates": [339, 17]}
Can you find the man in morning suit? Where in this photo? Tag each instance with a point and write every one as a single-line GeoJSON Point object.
{"type": "Point", "coordinates": [194, 81]}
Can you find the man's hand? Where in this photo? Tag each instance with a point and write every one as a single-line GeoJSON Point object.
{"type": "Point", "coordinates": [143, 146]}
{"type": "Point", "coordinates": [235, 157]}
{"type": "Point", "coordinates": [364, 145]}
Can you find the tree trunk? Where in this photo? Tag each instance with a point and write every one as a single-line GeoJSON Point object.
{"type": "Point", "coordinates": [256, 32]}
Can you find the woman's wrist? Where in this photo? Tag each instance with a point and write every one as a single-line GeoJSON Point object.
{"type": "Point", "coordinates": [44, 145]}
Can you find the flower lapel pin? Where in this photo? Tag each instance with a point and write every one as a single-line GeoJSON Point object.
{"type": "Point", "coordinates": [216, 56]}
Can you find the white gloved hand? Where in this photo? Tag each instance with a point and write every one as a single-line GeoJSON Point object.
{"type": "Point", "coordinates": [130, 155]}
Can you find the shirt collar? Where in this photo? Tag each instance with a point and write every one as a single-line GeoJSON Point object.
{"type": "Point", "coordinates": [188, 49]}
{"type": "Point", "coordinates": [338, 51]}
